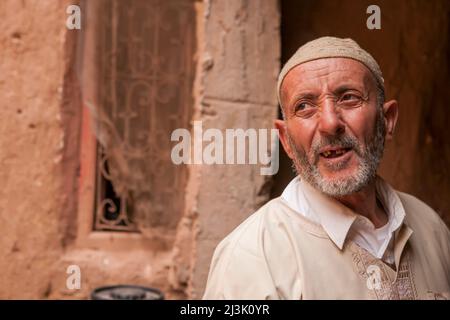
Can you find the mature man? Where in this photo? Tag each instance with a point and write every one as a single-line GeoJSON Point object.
{"type": "Point", "coordinates": [338, 231]}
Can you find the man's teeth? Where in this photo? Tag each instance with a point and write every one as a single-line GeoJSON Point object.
{"type": "Point", "coordinates": [334, 152]}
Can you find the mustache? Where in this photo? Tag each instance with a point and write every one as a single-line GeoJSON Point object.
{"type": "Point", "coordinates": [340, 141]}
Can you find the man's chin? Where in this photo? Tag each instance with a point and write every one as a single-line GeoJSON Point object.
{"type": "Point", "coordinates": [337, 173]}
{"type": "Point", "coordinates": [339, 183]}
{"type": "Point", "coordinates": [335, 178]}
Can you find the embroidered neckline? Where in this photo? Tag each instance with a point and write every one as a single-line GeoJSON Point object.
{"type": "Point", "coordinates": [388, 284]}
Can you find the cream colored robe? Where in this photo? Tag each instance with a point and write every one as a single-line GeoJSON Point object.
{"type": "Point", "coordinates": [278, 254]}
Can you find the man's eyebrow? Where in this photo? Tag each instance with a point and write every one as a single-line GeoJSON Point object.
{"type": "Point", "coordinates": [346, 87]}
{"type": "Point", "coordinates": [303, 95]}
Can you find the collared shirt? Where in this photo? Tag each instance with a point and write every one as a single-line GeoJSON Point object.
{"type": "Point", "coordinates": [341, 223]}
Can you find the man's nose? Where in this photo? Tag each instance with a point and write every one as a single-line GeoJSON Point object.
{"type": "Point", "coordinates": [330, 121]}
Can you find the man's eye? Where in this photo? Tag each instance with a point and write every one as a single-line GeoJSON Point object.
{"type": "Point", "coordinates": [301, 106]}
{"type": "Point", "coordinates": [349, 97]}
{"type": "Point", "coordinates": [350, 100]}
{"type": "Point", "coordinates": [304, 110]}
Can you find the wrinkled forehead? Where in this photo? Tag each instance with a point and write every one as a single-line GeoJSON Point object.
{"type": "Point", "coordinates": [327, 74]}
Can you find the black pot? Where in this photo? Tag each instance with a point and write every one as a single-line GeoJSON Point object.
{"type": "Point", "coordinates": [126, 292]}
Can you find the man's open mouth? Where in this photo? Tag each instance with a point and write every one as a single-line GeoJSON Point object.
{"type": "Point", "coordinates": [331, 153]}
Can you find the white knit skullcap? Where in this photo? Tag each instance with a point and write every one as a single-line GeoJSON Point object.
{"type": "Point", "coordinates": [330, 47]}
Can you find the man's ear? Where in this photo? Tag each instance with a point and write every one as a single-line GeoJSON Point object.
{"type": "Point", "coordinates": [390, 111]}
{"type": "Point", "coordinates": [282, 132]}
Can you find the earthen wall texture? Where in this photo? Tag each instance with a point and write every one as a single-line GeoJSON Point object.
{"type": "Point", "coordinates": [32, 148]}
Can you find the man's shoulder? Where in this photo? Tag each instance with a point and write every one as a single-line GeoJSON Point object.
{"type": "Point", "coordinates": [268, 229]}
{"type": "Point", "coordinates": [247, 235]}
{"type": "Point", "coordinates": [420, 214]}
{"type": "Point", "coordinates": [238, 268]}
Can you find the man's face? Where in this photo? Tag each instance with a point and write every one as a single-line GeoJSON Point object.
{"type": "Point", "coordinates": [334, 127]}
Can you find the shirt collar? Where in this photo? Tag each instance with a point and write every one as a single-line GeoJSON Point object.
{"type": "Point", "coordinates": [335, 218]}
{"type": "Point", "coordinates": [392, 204]}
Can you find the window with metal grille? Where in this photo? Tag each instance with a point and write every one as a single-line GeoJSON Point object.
{"type": "Point", "coordinates": [144, 71]}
